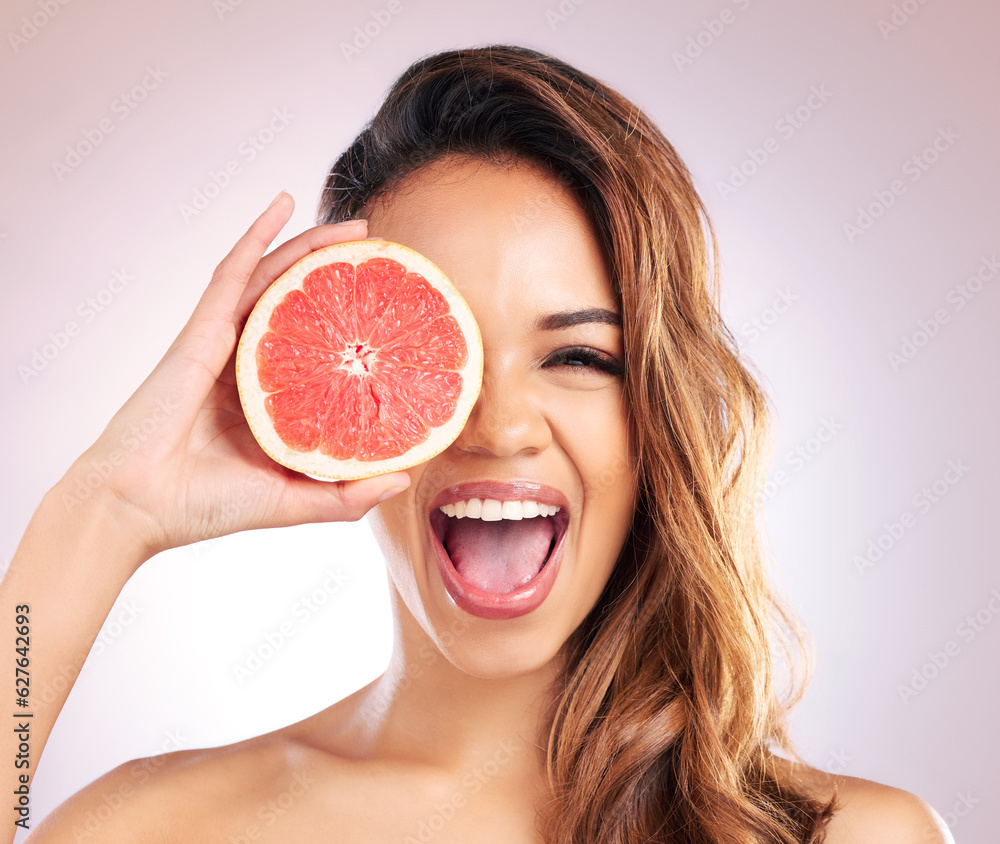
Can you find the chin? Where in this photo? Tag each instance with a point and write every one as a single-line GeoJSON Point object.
{"type": "Point", "coordinates": [502, 661]}
{"type": "Point", "coordinates": [494, 574]}
{"type": "Point", "coordinates": [481, 648]}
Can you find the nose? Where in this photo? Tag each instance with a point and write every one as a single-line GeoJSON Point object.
{"type": "Point", "coordinates": [506, 420]}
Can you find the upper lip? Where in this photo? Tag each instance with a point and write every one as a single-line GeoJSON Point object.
{"type": "Point", "coordinates": [516, 489]}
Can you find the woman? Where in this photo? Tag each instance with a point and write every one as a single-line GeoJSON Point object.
{"type": "Point", "coordinates": [626, 694]}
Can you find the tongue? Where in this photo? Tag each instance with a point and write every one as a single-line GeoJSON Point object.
{"type": "Point", "coordinates": [502, 556]}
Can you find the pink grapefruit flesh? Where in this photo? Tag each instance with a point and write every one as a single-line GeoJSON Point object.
{"type": "Point", "coordinates": [361, 359]}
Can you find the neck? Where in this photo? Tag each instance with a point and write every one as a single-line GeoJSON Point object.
{"type": "Point", "coordinates": [426, 709]}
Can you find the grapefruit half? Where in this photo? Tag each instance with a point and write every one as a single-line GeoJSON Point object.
{"type": "Point", "coordinates": [361, 359]}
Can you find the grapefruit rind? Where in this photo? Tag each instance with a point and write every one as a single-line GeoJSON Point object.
{"type": "Point", "coordinates": [252, 395]}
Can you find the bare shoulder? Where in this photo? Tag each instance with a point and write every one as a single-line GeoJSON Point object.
{"type": "Point", "coordinates": [867, 811]}
{"type": "Point", "coordinates": [190, 795]}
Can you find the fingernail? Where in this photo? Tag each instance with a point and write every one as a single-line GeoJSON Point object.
{"type": "Point", "coordinates": [389, 493]}
{"type": "Point", "coordinates": [275, 200]}
{"type": "Point", "coordinates": [351, 222]}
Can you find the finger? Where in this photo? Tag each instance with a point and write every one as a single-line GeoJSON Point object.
{"type": "Point", "coordinates": [234, 271]}
{"type": "Point", "coordinates": [322, 501]}
{"type": "Point", "coordinates": [283, 257]}
{"type": "Point", "coordinates": [209, 337]}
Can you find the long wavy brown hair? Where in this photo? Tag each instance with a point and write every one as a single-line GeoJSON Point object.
{"type": "Point", "coordinates": [667, 716]}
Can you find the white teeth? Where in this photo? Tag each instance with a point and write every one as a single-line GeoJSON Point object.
{"type": "Point", "coordinates": [492, 510]}
{"type": "Point", "coordinates": [512, 510]}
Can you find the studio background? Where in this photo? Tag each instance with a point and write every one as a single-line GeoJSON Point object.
{"type": "Point", "coordinates": [847, 155]}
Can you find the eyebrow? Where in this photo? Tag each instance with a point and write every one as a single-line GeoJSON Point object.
{"type": "Point", "coordinates": [567, 319]}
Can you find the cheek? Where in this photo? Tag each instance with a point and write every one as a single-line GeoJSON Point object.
{"type": "Point", "coordinates": [399, 526]}
{"type": "Point", "coordinates": [595, 434]}
{"type": "Point", "coordinates": [395, 525]}
{"type": "Point", "coordinates": [599, 444]}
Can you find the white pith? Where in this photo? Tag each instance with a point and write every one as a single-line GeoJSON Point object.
{"type": "Point", "coordinates": [357, 362]}
{"type": "Point", "coordinates": [493, 510]}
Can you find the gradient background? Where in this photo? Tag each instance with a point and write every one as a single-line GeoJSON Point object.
{"type": "Point", "coordinates": [163, 675]}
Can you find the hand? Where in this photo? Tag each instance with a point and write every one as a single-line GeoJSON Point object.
{"type": "Point", "coordinates": [178, 459]}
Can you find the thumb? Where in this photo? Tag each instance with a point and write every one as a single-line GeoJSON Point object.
{"type": "Point", "coordinates": [348, 501]}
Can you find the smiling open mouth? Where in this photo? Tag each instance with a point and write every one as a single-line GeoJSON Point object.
{"type": "Point", "coordinates": [498, 559]}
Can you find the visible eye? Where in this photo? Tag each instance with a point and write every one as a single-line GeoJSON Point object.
{"type": "Point", "coordinates": [584, 358]}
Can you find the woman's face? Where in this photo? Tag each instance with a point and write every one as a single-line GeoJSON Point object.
{"type": "Point", "coordinates": [497, 595]}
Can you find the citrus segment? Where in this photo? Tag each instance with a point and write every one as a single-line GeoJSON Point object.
{"type": "Point", "coordinates": [415, 305]}
{"type": "Point", "coordinates": [433, 393]}
{"type": "Point", "coordinates": [378, 282]}
{"type": "Point", "coordinates": [282, 363]}
{"type": "Point", "coordinates": [390, 424]}
{"type": "Point", "coordinates": [342, 424]}
{"type": "Point", "coordinates": [331, 288]}
{"type": "Point", "coordinates": [294, 410]}
{"type": "Point", "coordinates": [439, 343]}
{"type": "Point", "coordinates": [298, 320]}
{"type": "Point", "coordinates": [361, 359]}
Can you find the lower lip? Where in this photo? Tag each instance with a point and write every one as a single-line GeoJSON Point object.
{"type": "Point", "coordinates": [488, 605]}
